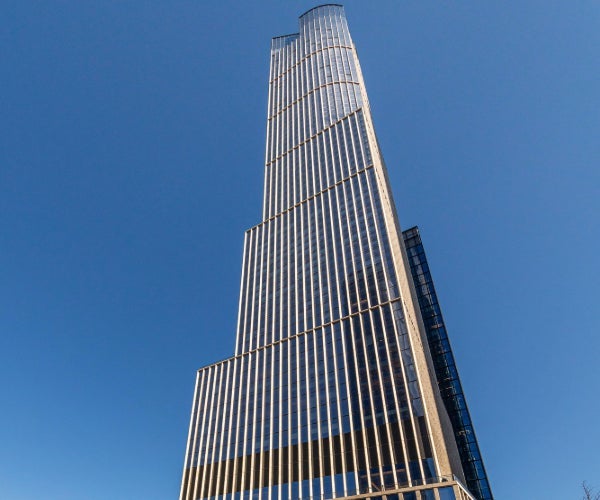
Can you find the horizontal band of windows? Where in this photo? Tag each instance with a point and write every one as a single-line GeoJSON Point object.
{"type": "Point", "coordinates": [280, 111]}
{"type": "Point", "coordinates": [312, 137]}
{"type": "Point", "coordinates": [312, 197]}
{"type": "Point", "coordinates": [307, 56]}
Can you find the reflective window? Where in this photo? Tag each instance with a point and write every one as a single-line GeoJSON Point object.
{"type": "Point", "coordinates": [446, 493]}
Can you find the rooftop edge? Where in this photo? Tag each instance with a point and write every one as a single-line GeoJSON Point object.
{"type": "Point", "coordinates": [323, 5]}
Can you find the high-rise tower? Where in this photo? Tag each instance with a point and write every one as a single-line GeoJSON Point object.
{"type": "Point", "coordinates": [332, 392]}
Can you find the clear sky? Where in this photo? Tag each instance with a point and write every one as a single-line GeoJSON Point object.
{"type": "Point", "coordinates": [131, 162]}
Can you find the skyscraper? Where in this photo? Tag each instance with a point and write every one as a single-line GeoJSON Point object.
{"type": "Point", "coordinates": [333, 389]}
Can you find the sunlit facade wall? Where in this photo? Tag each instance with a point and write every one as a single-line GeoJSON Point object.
{"type": "Point", "coordinates": [331, 391]}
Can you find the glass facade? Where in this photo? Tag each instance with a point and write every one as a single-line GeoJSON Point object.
{"type": "Point", "coordinates": [329, 393]}
{"type": "Point", "coordinates": [445, 368]}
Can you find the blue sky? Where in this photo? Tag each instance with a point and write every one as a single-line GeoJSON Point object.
{"type": "Point", "coordinates": [131, 162]}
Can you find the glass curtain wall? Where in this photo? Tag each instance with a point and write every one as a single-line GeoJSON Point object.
{"type": "Point", "coordinates": [323, 398]}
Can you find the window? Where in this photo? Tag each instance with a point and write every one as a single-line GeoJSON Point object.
{"type": "Point", "coordinates": [447, 493]}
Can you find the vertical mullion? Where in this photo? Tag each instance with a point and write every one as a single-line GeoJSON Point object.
{"type": "Point", "coordinates": [305, 269]}
{"type": "Point", "coordinates": [250, 453]}
{"type": "Point", "coordinates": [199, 432]}
{"type": "Point", "coordinates": [327, 244]}
{"type": "Point", "coordinates": [352, 264]}
{"type": "Point", "coordinates": [215, 410]}
{"type": "Point", "coordinates": [390, 337]}
{"type": "Point", "coordinates": [278, 272]}
{"type": "Point", "coordinates": [238, 435]}
{"type": "Point", "coordinates": [264, 282]}
{"type": "Point", "coordinates": [254, 291]}
{"type": "Point", "coordinates": [241, 460]}
{"type": "Point", "coordinates": [259, 454]}
{"type": "Point", "coordinates": [206, 428]}
{"type": "Point", "coordinates": [343, 360]}
{"type": "Point", "coordinates": [271, 306]}
{"type": "Point", "coordinates": [333, 266]}
{"type": "Point", "coordinates": [243, 294]}
{"type": "Point", "coordinates": [360, 308]}
{"type": "Point", "coordinates": [329, 402]}
{"type": "Point", "coordinates": [289, 242]}
{"type": "Point", "coordinates": [193, 439]}
{"type": "Point", "coordinates": [225, 428]}
{"type": "Point", "coordinates": [298, 423]}
{"type": "Point", "coordinates": [232, 424]}
{"type": "Point", "coordinates": [269, 113]}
